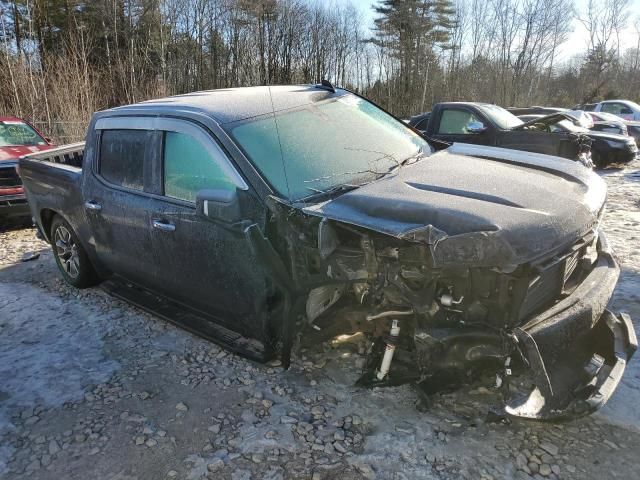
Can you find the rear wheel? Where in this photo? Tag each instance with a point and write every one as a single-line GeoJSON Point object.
{"type": "Point", "coordinates": [72, 260]}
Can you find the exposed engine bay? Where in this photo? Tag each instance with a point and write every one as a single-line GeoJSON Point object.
{"type": "Point", "coordinates": [456, 322]}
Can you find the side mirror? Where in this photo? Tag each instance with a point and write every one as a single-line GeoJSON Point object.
{"type": "Point", "coordinates": [219, 204]}
{"type": "Point", "coordinates": [48, 139]}
{"type": "Point", "coordinates": [626, 111]}
{"type": "Point", "coordinates": [476, 127]}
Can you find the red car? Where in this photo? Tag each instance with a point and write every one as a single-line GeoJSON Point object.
{"type": "Point", "coordinates": [17, 138]}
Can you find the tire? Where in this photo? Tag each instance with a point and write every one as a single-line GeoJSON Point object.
{"type": "Point", "coordinates": [73, 261]}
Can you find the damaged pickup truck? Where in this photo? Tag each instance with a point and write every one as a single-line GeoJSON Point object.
{"type": "Point", "coordinates": [259, 216]}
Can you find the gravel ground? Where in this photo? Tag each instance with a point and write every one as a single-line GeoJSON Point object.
{"type": "Point", "coordinates": [91, 387]}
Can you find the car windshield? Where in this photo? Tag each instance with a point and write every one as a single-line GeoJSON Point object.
{"type": "Point", "coordinates": [320, 146]}
{"type": "Point", "coordinates": [501, 117]}
{"type": "Point", "coordinates": [14, 133]}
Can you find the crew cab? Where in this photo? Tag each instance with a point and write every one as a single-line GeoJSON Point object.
{"type": "Point", "coordinates": [486, 124]}
{"type": "Point", "coordinates": [17, 137]}
{"type": "Point", "coordinates": [256, 216]}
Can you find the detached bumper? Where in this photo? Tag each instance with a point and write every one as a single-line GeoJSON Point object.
{"type": "Point", "coordinates": [576, 352]}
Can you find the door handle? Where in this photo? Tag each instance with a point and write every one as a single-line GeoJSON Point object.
{"type": "Point", "coordinates": [91, 205]}
{"type": "Point", "coordinates": [165, 227]}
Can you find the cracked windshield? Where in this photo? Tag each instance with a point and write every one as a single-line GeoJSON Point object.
{"type": "Point", "coordinates": [325, 145]}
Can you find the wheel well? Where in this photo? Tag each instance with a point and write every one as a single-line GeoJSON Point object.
{"type": "Point", "coordinates": [46, 218]}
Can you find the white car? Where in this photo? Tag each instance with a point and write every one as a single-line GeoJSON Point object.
{"type": "Point", "coordinates": [621, 108]}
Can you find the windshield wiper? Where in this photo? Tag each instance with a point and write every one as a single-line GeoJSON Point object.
{"type": "Point", "coordinates": [341, 188]}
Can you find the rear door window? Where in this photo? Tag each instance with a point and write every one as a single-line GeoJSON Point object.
{"type": "Point", "coordinates": [189, 167]}
{"type": "Point", "coordinates": [122, 157]}
{"type": "Point", "coordinates": [455, 122]}
{"type": "Point", "coordinates": [615, 108]}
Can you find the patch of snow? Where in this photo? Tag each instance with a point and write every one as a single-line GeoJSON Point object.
{"type": "Point", "coordinates": [50, 351]}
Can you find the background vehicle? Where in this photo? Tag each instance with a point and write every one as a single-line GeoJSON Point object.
{"type": "Point", "coordinates": [486, 124]}
{"type": "Point", "coordinates": [625, 109]}
{"type": "Point", "coordinates": [606, 148]}
{"type": "Point", "coordinates": [587, 107]}
{"type": "Point", "coordinates": [602, 119]}
{"type": "Point", "coordinates": [332, 216]}
{"type": "Point", "coordinates": [535, 110]}
{"type": "Point", "coordinates": [17, 137]}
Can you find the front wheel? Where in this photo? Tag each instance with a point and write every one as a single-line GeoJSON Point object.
{"type": "Point", "coordinates": [72, 260]}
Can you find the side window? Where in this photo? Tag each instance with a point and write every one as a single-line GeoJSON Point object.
{"type": "Point", "coordinates": [615, 108]}
{"type": "Point", "coordinates": [190, 167]}
{"type": "Point", "coordinates": [122, 154]}
{"type": "Point", "coordinates": [455, 121]}
{"type": "Point", "coordinates": [422, 124]}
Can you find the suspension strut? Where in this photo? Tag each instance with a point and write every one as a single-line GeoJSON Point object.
{"type": "Point", "coordinates": [392, 343]}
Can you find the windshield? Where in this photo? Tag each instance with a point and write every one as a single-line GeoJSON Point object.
{"type": "Point", "coordinates": [19, 133]}
{"type": "Point", "coordinates": [501, 117]}
{"type": "Point", "coordinates": [319, 146]}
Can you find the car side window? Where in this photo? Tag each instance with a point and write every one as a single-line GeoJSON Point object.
{"type": "Point", "coordinates": [122, 155]}
{"type": "Point", "coordinates": [189, 167]}
{"type": "Point", "coordinates": [422, 124]}
{"type": "Point", "coordinates": [455, 122]}
{"type": "Point", "coordinates": [615, 108]}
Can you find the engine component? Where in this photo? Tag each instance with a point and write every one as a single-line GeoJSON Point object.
{"type": "Point", "coordinates": [389, 313]}
{"type": "Point", "coordinates": [389, 351]}
{"type": "Point", "coordinates": [321, 298]}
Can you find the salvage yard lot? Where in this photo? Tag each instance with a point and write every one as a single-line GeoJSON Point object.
{"type": "Point", "coordinates": [91, 387]}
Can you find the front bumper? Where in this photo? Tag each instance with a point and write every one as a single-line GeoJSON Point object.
{"type": "Point", "coordinates": [576, 351]}
{"type": "Point", "coordinates": [14, 206]}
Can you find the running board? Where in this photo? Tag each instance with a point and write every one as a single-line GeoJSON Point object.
{"type": "Point", "coordinates": [198, 323]}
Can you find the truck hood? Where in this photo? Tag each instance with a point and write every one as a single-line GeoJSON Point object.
{"type": "Point", "coordinates": [479, 206]}
{"type": "Point", "coordinates": [14, 152]}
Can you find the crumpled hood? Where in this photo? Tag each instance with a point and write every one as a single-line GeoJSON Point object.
{"type": "Point", "coordinates": [477, 205]}
{"type": "Point", "coordinates": [615, 137]}
{"type": "Point", "coordinates": [14, 152]}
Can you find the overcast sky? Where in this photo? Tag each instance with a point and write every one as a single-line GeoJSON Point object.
{"type": "Point", "coordinates": [578, 39]}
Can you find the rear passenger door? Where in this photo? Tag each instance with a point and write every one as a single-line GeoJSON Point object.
{"type": "Point", "coordinates": [118, 199]}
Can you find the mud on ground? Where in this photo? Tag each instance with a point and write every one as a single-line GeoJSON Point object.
{"type": "Point", "coordinates": [91, 387]}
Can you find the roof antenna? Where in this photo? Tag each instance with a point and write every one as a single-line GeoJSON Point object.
{"type": "Point", "coordinates": [327, 84]}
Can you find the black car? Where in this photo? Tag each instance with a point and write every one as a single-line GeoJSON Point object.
{"type": "Point", "coordinates": [261, 215]}
{"type": "Point", "coordinates": [486, 124]}
{"type": "Point", "coordinates": [602, 119]}
{"type": "Point", "coordinates": [606, 148]}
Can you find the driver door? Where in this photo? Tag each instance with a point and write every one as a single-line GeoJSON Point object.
{"type": "Point", "coordinates": [453, 126]}
{"type": "Point", "coordinates": [201, 262]}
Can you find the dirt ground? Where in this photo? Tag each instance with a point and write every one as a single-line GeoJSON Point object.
{"type": "Point", "coordinates": [93, 388]}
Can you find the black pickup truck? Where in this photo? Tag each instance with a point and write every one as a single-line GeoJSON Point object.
{"type": "Point", "coordinates": [256, 216]}
{"type": "Point", "coordinates": [486, 124]}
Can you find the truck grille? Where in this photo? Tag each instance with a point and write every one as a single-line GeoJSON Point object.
{"type": "Point", "coordinates": [550, 282]}
{"type": "Point", "coordinates": [9, 177]}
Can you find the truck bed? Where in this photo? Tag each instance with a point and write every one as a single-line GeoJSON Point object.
{"type": "Point", "coordinates": [53, 183]}
{"type": "Point", "coordinates": [71, 155]}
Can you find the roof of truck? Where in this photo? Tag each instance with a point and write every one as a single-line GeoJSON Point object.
{"type": "Point", "coordinates": [233, 104]}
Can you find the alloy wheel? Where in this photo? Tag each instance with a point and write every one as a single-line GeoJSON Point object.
{"type": "Point", "coordinates": [67, 251]}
